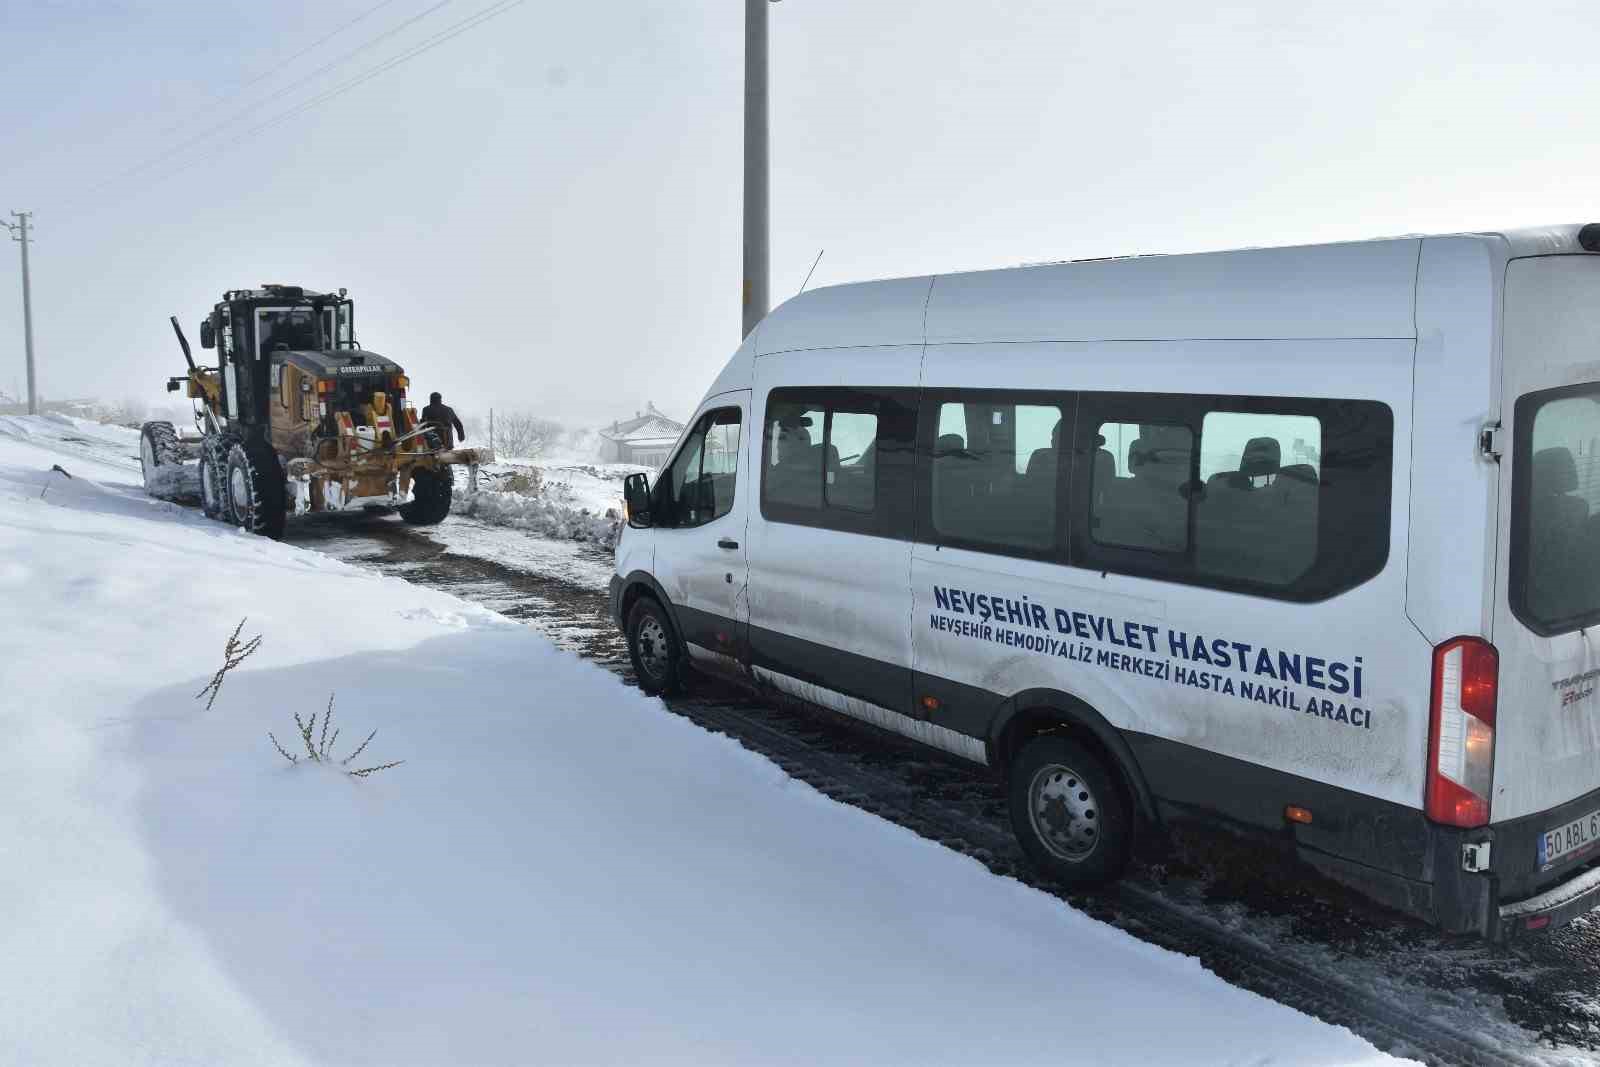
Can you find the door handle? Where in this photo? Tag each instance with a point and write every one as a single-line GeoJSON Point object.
{"type": "Point", "coordinates": [727, 542]}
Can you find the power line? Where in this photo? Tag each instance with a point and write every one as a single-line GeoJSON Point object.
{"type": "Point", "coordinates": [278, 94]}
{"type": "Point", "coordinates": [239, 90]}
{"type": "Point", "coordinates": [494, 10]}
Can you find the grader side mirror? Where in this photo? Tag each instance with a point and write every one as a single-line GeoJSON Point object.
{"type": "Point", "coordinates": [208, 336]}
{"type": "Point", "coordinates": [636, 495]}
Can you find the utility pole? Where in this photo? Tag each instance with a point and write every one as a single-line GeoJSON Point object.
{"type": "Point", "coordinates": [756, 259]}
{"type": "Point", "coordinates": [19, 232]}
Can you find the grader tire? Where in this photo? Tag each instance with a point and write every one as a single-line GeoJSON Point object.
{"type": "Point", "coordinates": [431, 491]}
{"type": "Point", "coordinates": [158, 449]}
{"type": "Point", "coordinates": [214, 500]}
{"type": "Point", "coordinates": [256, 490]}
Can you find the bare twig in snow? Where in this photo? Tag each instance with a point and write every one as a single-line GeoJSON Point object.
{"type": "Point", "coordinates": [320, 750]}
{"type": "Point", "coordinates": [281, 752]}
{"type": "Point", "coordinates": [233, 654]}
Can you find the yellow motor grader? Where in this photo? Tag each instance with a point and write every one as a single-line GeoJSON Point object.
{"type": "Point", "coordinates": [297, 418]}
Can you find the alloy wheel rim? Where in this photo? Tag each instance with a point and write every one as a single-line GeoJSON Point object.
{"type": "Point", "coordinates": [1064, 812]}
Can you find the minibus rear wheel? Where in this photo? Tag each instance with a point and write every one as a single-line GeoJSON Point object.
{"type": "Point", "coordinates": [1068, 811]}
{"type": "Point", "coordinates": [653, 648]}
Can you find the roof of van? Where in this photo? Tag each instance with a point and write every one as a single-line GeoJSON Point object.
{"type": "Point", "coordinates": [1346, 290]}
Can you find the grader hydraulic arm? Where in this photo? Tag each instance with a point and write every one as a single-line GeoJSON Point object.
{"type": "Point", "coordinates": [203, 382]}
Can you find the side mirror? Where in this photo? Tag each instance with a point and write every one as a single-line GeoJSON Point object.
{"type": "Point", "coordinates": [208, 336]}
{"type": "Point", "coordinates": [636, 495]}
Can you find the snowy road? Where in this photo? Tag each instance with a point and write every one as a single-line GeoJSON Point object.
{"type": "Point", "coordinates": [1257, 920]}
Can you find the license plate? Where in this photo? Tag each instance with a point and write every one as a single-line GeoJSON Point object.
{"type": "Point", "coordinates": [1570, 841]}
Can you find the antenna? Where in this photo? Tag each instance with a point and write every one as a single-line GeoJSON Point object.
{"type": "Point", "coordinates": [812, 271]}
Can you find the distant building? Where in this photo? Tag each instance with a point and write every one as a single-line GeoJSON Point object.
{"type": "Point", "coordinates": [644, 439]}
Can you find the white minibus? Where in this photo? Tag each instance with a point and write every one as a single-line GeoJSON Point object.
{"type": "Point", "coordinates": [1304, 541]}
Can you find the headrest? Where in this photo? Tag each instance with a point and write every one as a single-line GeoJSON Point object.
{"type": "Point", "coordinates": [949, 442]}
{"type": "Point", "coordinates": [1554, 471]}
{"type": "Point", "coordinates": [1139, 455]}
{"type": "Point", "coordinates": [1055, 435]}
{"type": "Point", "coordinates": [1300, 472]}
{"type": "Point", "coordinates": [1260, 457]}
{"type": "Point", "coordinates": [1105, 464]}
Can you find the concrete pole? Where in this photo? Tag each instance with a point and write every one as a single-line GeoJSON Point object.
{"type": "Point", "coordinates": [756, 256]}
{"type": "Point", "coordinates": [21, 234]}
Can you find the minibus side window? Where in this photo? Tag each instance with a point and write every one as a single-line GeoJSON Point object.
{"type": "Point", "coordinates": [1286, 497]}
{"type": "Point", "coordinates": [1256, 517]}
{"type": "Point", "coordinates": [840, 458]}
{"type": "Point", "coordinates": [995, 469]}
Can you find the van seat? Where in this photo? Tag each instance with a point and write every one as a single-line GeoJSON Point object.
{"type": "Point", "coordinates": [796, 479]}
{"type": "Point", "coordinates": [1150, 510]}
{"type": "Point", "coordinates": [1561, 530]}
{"type": "Point", "coordinates": [1248, 529]}
{"type": "Point", "coordinates": [1554, 471]}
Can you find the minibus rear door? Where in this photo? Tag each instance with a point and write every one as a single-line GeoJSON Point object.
{"type": "Point", "coordinates": [1546, 629]}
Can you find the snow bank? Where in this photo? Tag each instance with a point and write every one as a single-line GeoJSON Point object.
{"type": "Point", "coordinates": [561, 871]}
{"type": "Point", "coordinates": [176, 481]}
{"type": "Point", "coordinates": [573, 502]}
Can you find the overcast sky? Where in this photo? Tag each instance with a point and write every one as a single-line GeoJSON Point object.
{"type": "Point", "coordinates": [543, 212]}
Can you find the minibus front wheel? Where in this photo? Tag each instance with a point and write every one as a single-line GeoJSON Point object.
{"type": "Point", "coordinates": [653, 648]}
{"type": "Point", "coordinates": [1067, 811]}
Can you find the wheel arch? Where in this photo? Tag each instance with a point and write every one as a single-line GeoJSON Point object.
{"type": "Point", "coordinates": [1033, 712]}
{"type": "Point", "coordinates": [643, 583]}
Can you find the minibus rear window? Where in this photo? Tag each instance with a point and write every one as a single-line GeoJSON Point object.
{"type": "Point", "coordinates": [1555, 543]}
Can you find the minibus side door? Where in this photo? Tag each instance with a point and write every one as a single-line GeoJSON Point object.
{"type": "Point", "coordinates": [700, 504]}
{"type": "Point", "coordinates": [831, 489]}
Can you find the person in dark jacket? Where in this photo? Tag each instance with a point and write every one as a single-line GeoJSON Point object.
{"type": "Point", "coordinates": [443, 419]}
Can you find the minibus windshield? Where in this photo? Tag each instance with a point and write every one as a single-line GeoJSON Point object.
{"type": "Point", "coordinates": [1556, 513]}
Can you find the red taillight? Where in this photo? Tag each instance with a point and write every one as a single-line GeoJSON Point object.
{"type": "Point", "coordinates": [1466, 673]}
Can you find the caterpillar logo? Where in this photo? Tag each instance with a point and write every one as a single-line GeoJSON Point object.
{"type": "Point", "coordinates": [361, 368]}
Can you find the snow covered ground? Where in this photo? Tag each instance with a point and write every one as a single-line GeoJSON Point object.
{"type": "Point", "coordinates": [558, 873]}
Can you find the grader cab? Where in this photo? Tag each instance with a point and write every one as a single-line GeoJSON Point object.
{"type": "Point", "coordinates": [297, 418]}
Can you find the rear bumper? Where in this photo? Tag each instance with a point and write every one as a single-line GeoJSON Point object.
{"type": "Point", "coordinates": [1533, 896]}
{"type": "Point", "coordinates": [1554, 907]}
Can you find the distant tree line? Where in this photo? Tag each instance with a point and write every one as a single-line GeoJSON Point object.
{"type": "Point", "coordinates": [517, 434]}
